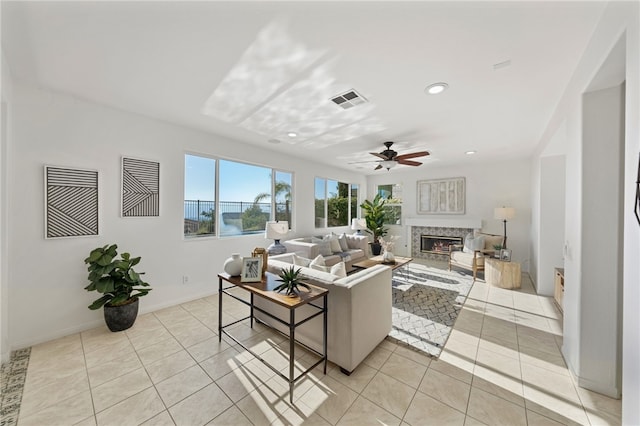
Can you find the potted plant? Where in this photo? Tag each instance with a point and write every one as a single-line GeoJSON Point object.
{"type": "Point", "coordinates": [118, 283]}
{"type": "Point", "coordinates": [374, 216]}
{"type": "Point", "coordinates": [290, 282]}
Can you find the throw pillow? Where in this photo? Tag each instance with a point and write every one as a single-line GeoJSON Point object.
{"type": "Point", "coordinates": [339, 270]}
{"type": "Point", "coordinates": [472, 243]}
{"type": "Point", "coordinates": [335, 244]}
{"type": "Point", "coordinates": [301, 261]}
{"type": "Point", "coordinates": [342, 239]}
{"type": "Point", "coordinates": [324, 246]}
{"type": "Point", "coordinates": [318, 261]}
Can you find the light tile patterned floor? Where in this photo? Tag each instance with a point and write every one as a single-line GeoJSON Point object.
{"type": "Point", "coordinates": [501, 365]}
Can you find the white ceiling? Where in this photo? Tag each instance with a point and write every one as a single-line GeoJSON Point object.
{"type": "Point", "coordinates": [254, 71]}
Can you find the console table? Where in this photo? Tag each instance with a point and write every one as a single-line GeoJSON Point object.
{"type": "Point", "coordinates": [264, 289]}
{"type": "Point", "coordinates": [500, 273]}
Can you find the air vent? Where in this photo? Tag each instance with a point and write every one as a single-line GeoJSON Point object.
{"type": "Point", "coordinates": [349, 99]}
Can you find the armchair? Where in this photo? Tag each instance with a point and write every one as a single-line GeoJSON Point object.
{"type": "Point", "coordinates": [471, 255]}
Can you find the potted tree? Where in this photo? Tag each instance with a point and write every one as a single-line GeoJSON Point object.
{"type": "Point", "coordinates": [374, 215]}
{"type": "Point", "coordinates": [118, 283]}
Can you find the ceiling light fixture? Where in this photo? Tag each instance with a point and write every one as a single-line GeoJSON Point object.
{"type": "Point", "coordinates": [470, 152]}
{"type": "Point", "coordinates": [435, 88]}
{"type": "Point", "coordinates": [292, 134]}
{"type": "Point", "coordinates": [388, 164]}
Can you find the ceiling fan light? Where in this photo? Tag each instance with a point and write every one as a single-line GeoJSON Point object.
{"type": "Point", "coordinates": [388, 164]}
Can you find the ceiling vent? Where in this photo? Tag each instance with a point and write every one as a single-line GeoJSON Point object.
{"type": "Point", "coordinates": [349, 99]}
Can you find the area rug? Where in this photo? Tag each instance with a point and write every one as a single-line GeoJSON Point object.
{"type": "Point", "coordinates": [12, 377]}
{"type": "Point", "coordinates": [426, 303]}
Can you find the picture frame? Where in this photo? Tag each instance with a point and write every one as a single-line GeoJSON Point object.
{"type": "Point", "coordinates": [140, 188]}
{"type": "Point", "coordinates": [441, 196]}
{"type": "Point", "coordinates": [505, 255]}
{"type": "Point", "coordinates": [70, 202]}
{"type": "Point", "coordinates": [251, 269]}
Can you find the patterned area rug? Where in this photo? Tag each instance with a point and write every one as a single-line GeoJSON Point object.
{"type": "Point", "coordinates": [12, 377]}
{"type": "Point", "coordinates": [426, 302]}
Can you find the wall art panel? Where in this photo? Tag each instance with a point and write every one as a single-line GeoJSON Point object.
{"type": "Point", "coordinates": [140, 188]}
{"type": "Point", "coordinates": [71, 202]}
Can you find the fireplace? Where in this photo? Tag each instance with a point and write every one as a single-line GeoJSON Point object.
{"type": "Point", "coordinates": [437, 244]}
{"type": "Point", "coordinates": [456, 233]}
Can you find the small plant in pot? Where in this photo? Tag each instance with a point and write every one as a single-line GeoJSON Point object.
{"type": "Point", "coordinates": [290, 281]}
{"type": "Point", "coordinates": [374, 215]}
{"type": "Point", "coordinates": [119, 283]}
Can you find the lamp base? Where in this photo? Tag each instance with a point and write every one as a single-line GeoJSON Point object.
{"type": "Point", "coordinates": [276, 248]}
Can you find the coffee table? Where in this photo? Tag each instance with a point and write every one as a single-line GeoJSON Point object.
{"type": "Point", "coordinates": [401, 262]}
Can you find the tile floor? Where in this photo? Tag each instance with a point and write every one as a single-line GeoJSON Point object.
{"type": "Point", "coordinates": [501, 366]}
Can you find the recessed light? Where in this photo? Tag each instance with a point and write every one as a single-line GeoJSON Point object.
{"type": "Point", "coordinates": [435, 88]}
{"type": "Point", "coordinates": [470, 152]}
{"type": "Point", "coordinates": [292, 134]}
{"type": "Point", "coordinates": [274, 141]}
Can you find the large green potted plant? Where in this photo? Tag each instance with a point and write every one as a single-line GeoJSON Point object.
{"type": "Point", "coordinates": [374, 215]}
{"type": "Point", "coordinates": [119, 284]}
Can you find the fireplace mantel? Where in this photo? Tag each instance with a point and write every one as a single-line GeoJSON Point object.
{"type": "Point", "coordinates": [444, 222]}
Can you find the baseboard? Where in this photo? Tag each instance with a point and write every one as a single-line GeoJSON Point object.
{"type": "Point", "coordinates": [97, 323]}
{"type": "Point", "coordinates": [610, 391]}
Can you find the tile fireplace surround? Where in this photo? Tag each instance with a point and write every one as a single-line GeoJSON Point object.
{"type": "Point", "coordinates": [440, 231]}
{"type": "Point", "coordinates": [443, 227]}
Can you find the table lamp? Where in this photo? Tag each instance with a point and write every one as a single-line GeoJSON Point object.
{"type": "Point", "coordinates": [358, 225]}
{"type": "Point", "coordinates": [275, 231]}
{"type": "Point", "coordinates": [504, 214]}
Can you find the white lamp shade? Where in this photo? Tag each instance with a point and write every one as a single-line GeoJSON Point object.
{"type": "Point", "coordinates": [504, 213]}
{"type": "Point", "coordinates": [358, 224]}
{"type": "Point", "coordinates": [276, 230]}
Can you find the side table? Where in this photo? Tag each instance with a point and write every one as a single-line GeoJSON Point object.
{"type": "Point", "coordinates": [264, 289]}
{"type": "Point", "coordinates": [499, 273]}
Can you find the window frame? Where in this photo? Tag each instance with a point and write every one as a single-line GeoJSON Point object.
{"type": "Point", "coordinates": [350, 214]}
{"type": "Point", "coordinates": [218, 159]}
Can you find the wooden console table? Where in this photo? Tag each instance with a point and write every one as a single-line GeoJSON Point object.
{"type": "Point", "coordinates": [502, 274]}
{"type": "Point", "coordinates": [264, 289]}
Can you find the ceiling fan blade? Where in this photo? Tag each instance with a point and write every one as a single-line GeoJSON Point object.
{"type": "Point", "coordinates": [378, 167]}
{"type": "Point", "coordinates": [412, 155]}
{"type": "Point", "coordinates": [409, 162]}
{"type": "Point", "coordinates": [378, 155]}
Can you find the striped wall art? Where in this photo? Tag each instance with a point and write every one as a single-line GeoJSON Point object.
{"type": "Point", "coordinates": [71, 205]}
{"type": "Point", "coordinates": [140, 188]}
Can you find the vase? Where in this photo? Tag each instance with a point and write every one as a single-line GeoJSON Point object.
{"type": "Point", "coordinates": [233, 265]}
{"type": "Point", "coordinates": [388, 257]}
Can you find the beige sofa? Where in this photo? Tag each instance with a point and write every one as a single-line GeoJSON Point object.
{"type": "Point", "coordinates": [358, 248]}
{"type": "Point", "coordinates": [359, 312]}
{"type": "Point", "coordinates": [471, 255]}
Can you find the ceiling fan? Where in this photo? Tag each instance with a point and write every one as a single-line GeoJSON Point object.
{"type": "Point", "coordinates": [390, 158]}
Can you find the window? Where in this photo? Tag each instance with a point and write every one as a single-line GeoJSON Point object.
{"type": "Point", "coordinates": [335, 203]}
{"type": "Point", "coordinates": [199, 195]}
{"type": "Point", "coordinates": [393, 206]}
{"type": "Point", "coordinates": [248, 197]}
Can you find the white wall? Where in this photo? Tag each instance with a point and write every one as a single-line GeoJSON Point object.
{"type": "Point", "coordinates": [620, 19]}
{"type": "Point", "coordinates": [601, 286]}
{"type": "Point", "coordinates": [47, 277]}
{"type": "Point", "coordinates": [5, 133]}
{"type": "Point", "coordinates": [551, 220]}
{"type": "Point", "coordinates": [488, 185]}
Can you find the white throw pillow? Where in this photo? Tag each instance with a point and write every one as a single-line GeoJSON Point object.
{"type": "Point", "coordinates": [301, 261]}
{"type": "Point", "coordinates": [339, 270]}
{"type": "Point", "coordinates": [342, 239]}
{"type": "Point", "coordinates": [324, 246]}
{"type": "Point", "coordinates": [335, 244]}
{"type": "Point", "coordinates": [318, 261]}
{"type": "Point", "coordinates": [320, 268]}
{"type": "Point", "coordinates": [472, 243]}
